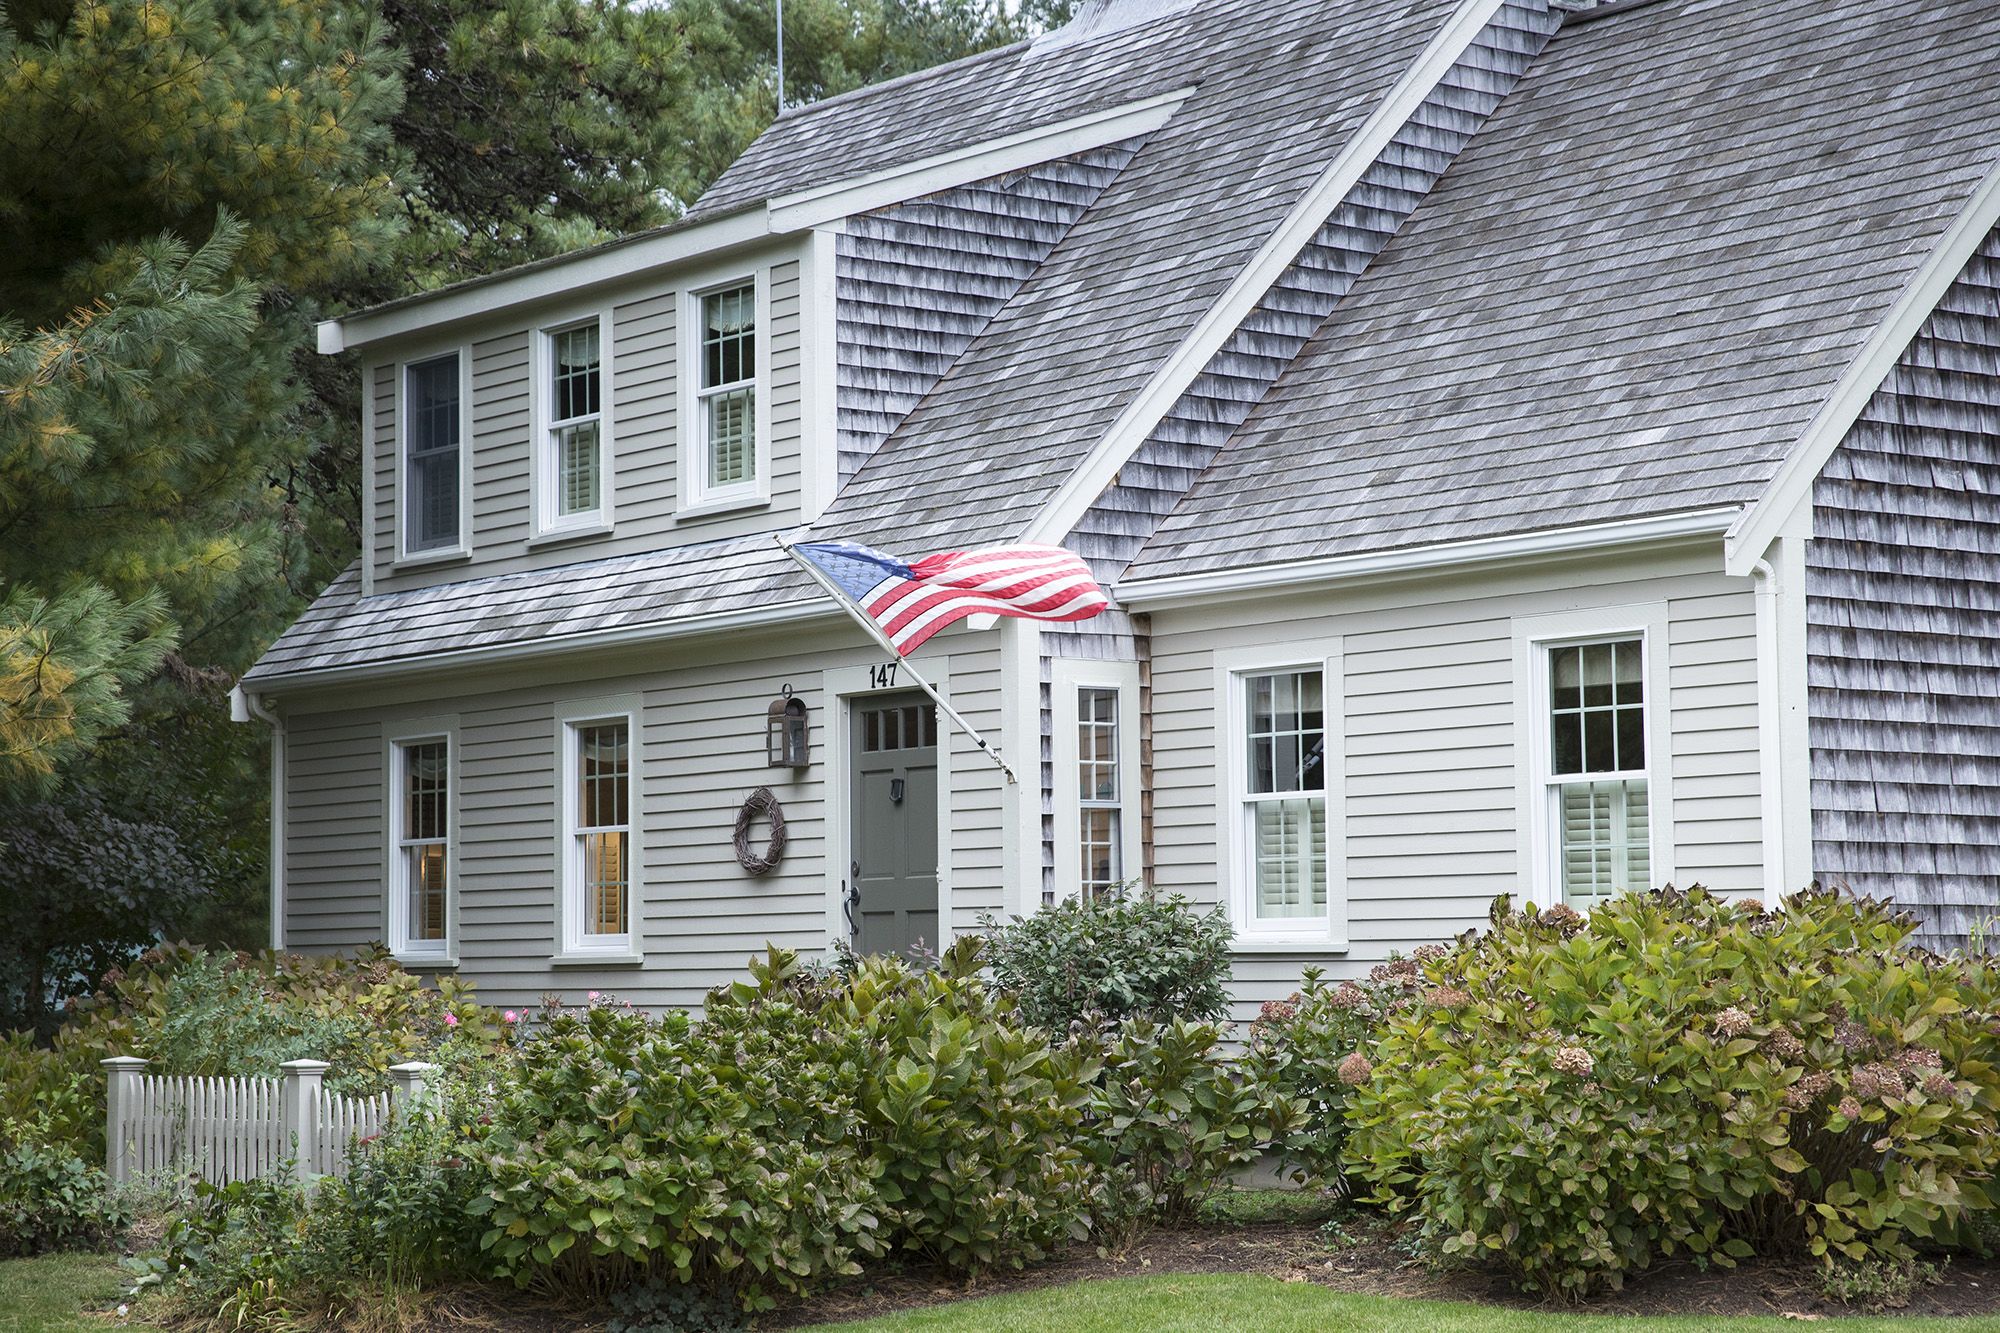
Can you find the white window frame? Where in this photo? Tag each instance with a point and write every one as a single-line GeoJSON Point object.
{"type": "Point", "coordinates": [546, 482]}
{"type": "Point", "coordinates": [573, 944]}
{"type": "Point", "coordinates": [1539, 837]}
{"type": "Point", "coordinates": [395, 876]}
{"type": "Point", "coordinates": [697, 497]}
{"type": "Point", "coordinates": [1234, 850]}
{"type": "Point", "coordinates": [1067, 678]}
{"type": "Point", "coordinates": [405, 557]}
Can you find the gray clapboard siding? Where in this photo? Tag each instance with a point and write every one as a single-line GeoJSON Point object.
{"type": "Point", "coordinates": [1431, 774]}
{"type": "Point", "coordinates": [917, 282]}
{"type": "Point", "coordinates": [1903, 626]}
{"type": "Point", "coordinates": [333, 832]}
{"type": "Point", "coordinates": [1236, 378]}
{"type": "Point", "coordinates": [645, 350]}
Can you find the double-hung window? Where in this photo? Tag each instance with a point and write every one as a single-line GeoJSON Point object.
{"type": "Point", "coordinates": [1597, 790]}
{"type": "Point", "coordinates": [1094, 757]}
{"type": "Point", "coordinates": [1282, 818]}
{"type": "Point", "coordinates": [575, 434]}
{"type": "Point", "coordinates": [420, 819]}
{"type": "Point", "coordinates": [1100, 789]}
{"type": "Point", "coordinates": [726, 394]}
{"type": "Point", "coordinates": [596, 845]}
{"type": "Point", "coordinates": [433, 428]}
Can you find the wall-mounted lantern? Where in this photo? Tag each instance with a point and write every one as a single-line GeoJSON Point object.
{"type": "Point", "coordinates": [785, 731]}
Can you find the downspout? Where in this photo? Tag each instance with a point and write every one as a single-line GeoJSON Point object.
{"type": "Point", "coordinates": [243, 707]}
{"type": "Point", "coordinates": [1770, 732]}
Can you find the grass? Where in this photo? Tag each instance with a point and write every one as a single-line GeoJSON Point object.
{"type": "Point", "coordinates": [1214, 1303]}
{"type": "Point", "coordinates": [50, 1294]}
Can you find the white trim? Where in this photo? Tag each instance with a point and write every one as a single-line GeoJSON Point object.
{"type": "Point", "coordinates": [405, 558]}
{"type": "Point", "coordinates": [243, 706]}
{"type": "Point", "coordinates": [1100, 469]}
{"type": "Point", "coordinates": [543, 483]}
{"type": "Point", "coordinates": [395, 905]}
{"type": "Point", "coordinates": [1209, 584]}
{"type": "Point", "coordinates": [1231, 667]}
{"type": "Point", "coordinates": [819, 339]}
{"type": "Point", "coordinates": [1067, 677]}
{"type": "Point", "coordinates": [1763, 521]}
{"type": "Point", "coordinates": [371, 517]}
{"type": "Point", "coordinates": [570, 943]}
{"type": "Point", "coordinates": [992, 157]}
{"type": "Point", "coordinates": [1535, 841]}
{"type": "Point", "coordinates": [1020, 645]}
{"type": "Point", "coordinates": [1783, 739]}
{"type": "Point", "coordinates": [839, 688]}
{"type": "Point", "coordinates": [696, 497]}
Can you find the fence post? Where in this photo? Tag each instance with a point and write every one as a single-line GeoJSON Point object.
{"type": "Point", "coordinates": [301, 1103]}
{"type": "Point", "coordinates": [121, 1097]}
{"type": "Point", "coordinates": [412, 1081]}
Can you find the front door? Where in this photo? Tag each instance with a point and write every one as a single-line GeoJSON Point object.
{"type": "Point", "coordinates": [894, 782]}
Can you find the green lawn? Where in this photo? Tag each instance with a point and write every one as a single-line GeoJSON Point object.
{"type": "Point", "coordinates": [1246, 1304]}
{"type": "Point", "coordinates": [49, 1294]}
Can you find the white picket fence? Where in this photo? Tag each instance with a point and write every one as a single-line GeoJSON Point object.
{"type": "Point", "coordinates": [225, 1129]}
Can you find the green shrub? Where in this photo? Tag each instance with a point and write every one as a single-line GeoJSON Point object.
{"type": "Point", "coordinates": [50, 1198]}
{"type": "Point", "coordinates": [671, 1307]}
{"type": "Point", "coordinates": [1297, 1047]}
{"type": "Point", "coordinates": [245, 1255]}
{"type": "Point", "coordinates": [1113, 957]}
{"type": "Point", "coordinates": [1173, 1115]}
{"type": "Point", "coordinates": [1575, 1098]}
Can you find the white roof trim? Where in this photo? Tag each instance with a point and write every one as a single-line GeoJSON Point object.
{"type": "Point", "coordinates": [1791, 489]}
{"type": "Point", "coordinates": [1144, 412]}
{"type": "Point", "coordinates": [1210, 585]}
{"type": "Point", "coordinates": [981, 161]}
{"type": "Point", "coordinates": [715, 622]}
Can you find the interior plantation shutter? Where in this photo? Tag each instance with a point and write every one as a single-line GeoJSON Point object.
{"type": "Point", "coordinates": [1291, 857]}
{"type": "Point", "coordinates": [1605, 838]}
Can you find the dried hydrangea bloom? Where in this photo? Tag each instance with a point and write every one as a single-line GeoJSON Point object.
{"type": "Point", "coordinates": [1573, 1060]}
{"type": "Point", "coordinates": [1428, 953]}
{"type": "Point", "coordinates": [1446, 997]}
{"type": "Point", "coordinates": [1851, 1035]}
{"type": "Point", "coordinates": [1276, 1011]}
{"type": "Point", "coordinates": [1733, 1022]}
{"type": "Point", "coordinates": [1917, 1057]}
{"type": "Point", "coordinates": [1849, 1108]}
{"type": "Point", "coordinates": [1877, 1080]}
{"type": "Point", "coordinates": [1355, 1070]}
{"type": "Point", "coordinates": [1938, 1088]}
{"type": "Point", "coordinates": [1785, 1045]}
{"type": "Point", "coordinates": [1347, 995]}
{"type": "Point", "coordinates": [1564, 918]}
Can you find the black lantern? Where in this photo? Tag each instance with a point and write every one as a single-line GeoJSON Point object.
{"type": "Point", "coordinates": [785, 732]}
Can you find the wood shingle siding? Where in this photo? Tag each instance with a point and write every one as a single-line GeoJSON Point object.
{"type": "Point", "coordinates": [1903, 627]}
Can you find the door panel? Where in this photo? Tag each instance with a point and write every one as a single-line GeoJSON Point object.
{"type": "Point", "coordinates": [895, 841]}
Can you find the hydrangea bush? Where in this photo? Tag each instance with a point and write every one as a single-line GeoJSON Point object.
{"type": "Point", "coordinates": [1576, 1098]}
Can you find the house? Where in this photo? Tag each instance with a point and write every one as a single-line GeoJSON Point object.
{"type": "Point", "coordinates": [1530, 451]}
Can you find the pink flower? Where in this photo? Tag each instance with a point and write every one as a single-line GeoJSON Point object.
{"type": "Point", "coordinates": [1356, 1070]}
{"type": "Point", "coordinates": [451, 1020]}
{"type": "Point", "coordinates": [591, 996]}
{"type": "Point", "coordinates": [511, 1017]}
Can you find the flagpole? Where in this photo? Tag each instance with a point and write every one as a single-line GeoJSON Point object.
{"type": "Point", "coordinates": [875, 632]}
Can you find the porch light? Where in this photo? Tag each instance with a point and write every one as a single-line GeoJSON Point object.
{"type": "Point", "coordinates": [785, 732]}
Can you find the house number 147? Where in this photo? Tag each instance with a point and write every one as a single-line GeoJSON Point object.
{"type": "Point", "coordinates": [882, 676]}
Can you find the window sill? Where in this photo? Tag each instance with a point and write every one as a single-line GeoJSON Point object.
{"type": "Point", "coordinates": [557, 536]}
{"type": "Point", "coordinates": [456, 555]}
{"type": "Point", "coordinates": [1287, 944]}
{"type": "Point", "coordinates": [434, 962]}
{"type": "Point", "coordinates": [597, 958]}
{"type": "Point", "coordinates": [723, 505]}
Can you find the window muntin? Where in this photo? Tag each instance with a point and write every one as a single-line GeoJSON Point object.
{"type": "Point", "coordinates": [575, 443]}
{"type": "Point", "coordinates": [431, 444]}
{"type": "Point", "coordinates": [601, 832]}
{"type": "Point", "coordinates": [1598, 777]}
{"type": "Point", "coordinates": [1099, 817]}
{"type": "Point", "coordinates": [422, 851]}
{"type": "Point", "coordinates": [1284, 814]}
{"type": "Point", "coordinates": [727, 388]}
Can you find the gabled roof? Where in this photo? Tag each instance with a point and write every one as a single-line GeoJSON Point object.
{"type": "Point", "coordinates": [1632, 291]}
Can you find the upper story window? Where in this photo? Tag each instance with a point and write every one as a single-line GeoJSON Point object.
{"type": "Point", "coordinates": [433, 479]}
{"type": "Point", "coordinates": [726, 394]}
{"type": "Point", "coordinates": [597, 834]}
{"type": "Point", "coordinates": [1283, 816]}
{"type": "Point", "coordinates": [420, 847]}
{"type": "Point", "coordinates": [575, 436]}
{"type": "Point", "coordinates": [1596, 785]}
{"type": "Point", "coordinates": [1099, 790]}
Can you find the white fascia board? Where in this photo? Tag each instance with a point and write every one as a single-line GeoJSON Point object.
{"type": "Point", "coordinates": [718, 622]}
{"type": "Point", "coordinates": [1765, 519]}
{"type": "Point", "coordinates": [1182, 589]}
{"type": "Point", "coordinates": [590, 268]}
{"type": "Point", "coordinates": [993, 157]}
{"type": "Point", "coordinates": [1144, 412]}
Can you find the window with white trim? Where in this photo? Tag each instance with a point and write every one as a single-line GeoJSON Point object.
{"type": "Point", "coordinates": [420, 847]}
{"type": "Point", "coordinates": [1283, 799]}
{"type": "Point", "coordinates": [432, 436]}
{"type": "Point", "coordinates": [1597, 789]}
{"type": "Point", "coordinates": [574, 439]}
{"type": "Point", "coordinates": [597, 880]}
{"type": "Point", "coordinates": [726, 393]}
{"type": "Point", "coordinates": [1100, 791]}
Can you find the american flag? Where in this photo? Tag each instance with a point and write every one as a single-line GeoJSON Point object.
{"type": "Point", "coordinates": [911, 602]}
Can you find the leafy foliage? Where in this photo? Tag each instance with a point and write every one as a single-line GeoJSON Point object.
{"type": "Point", "coordinates": [50, 1198]}
{"type": "Point", "coordinates": [1298, 1047]}
{"type": "Point", "coordinates": [1573, 1098]}
{"type": "Point", "coordinates": [1112, 957]}
{"type": "Point", "coordinates": [671, 1307]}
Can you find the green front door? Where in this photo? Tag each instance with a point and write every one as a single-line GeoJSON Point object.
{"type": "Point", "coordinates": [894, 782]}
